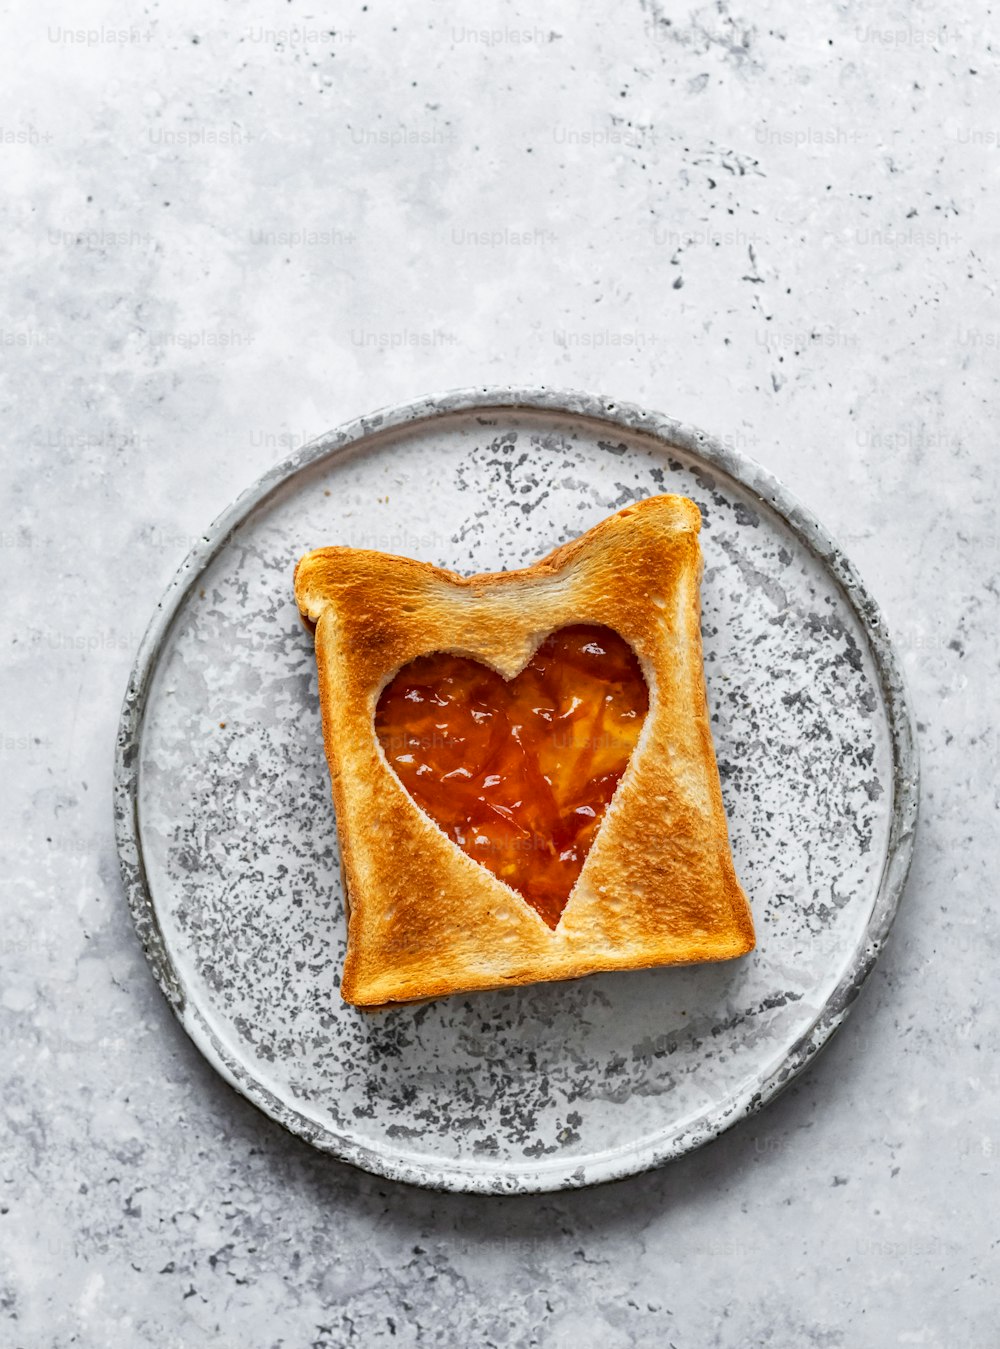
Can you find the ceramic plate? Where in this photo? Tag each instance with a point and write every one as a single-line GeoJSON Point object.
{"type": "Point", "coordinates": [229, 850]}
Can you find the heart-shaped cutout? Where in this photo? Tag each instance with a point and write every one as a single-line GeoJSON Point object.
{"type": "Point", "coordinates": [519, 772]}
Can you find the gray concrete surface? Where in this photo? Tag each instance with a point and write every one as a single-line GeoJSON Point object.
{"type": "Point", "coordinates": [228, 229]}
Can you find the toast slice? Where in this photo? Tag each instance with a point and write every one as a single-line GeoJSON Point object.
{"type": "Point", "coordinates": [657, 887]}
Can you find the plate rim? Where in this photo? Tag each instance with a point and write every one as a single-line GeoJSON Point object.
{"type": "Point", "coordinates": [651, 1150]}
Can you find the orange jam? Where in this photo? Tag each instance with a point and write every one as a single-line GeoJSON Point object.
{"type": "Point", "coordinates": [519, 773]}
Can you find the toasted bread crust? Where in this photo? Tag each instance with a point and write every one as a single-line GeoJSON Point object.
{"type": "Point", "coordinates": [658, 886]}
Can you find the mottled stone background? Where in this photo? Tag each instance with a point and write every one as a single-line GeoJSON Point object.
{"type": "Point", "coordinates": [227, 230]}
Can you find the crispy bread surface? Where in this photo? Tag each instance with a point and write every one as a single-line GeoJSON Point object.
{"type": "Point", "coordinates": [658, 886]}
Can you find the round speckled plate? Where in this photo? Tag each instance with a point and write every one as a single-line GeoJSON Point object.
{"type": "Point", "coordinates": [229, 851]}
